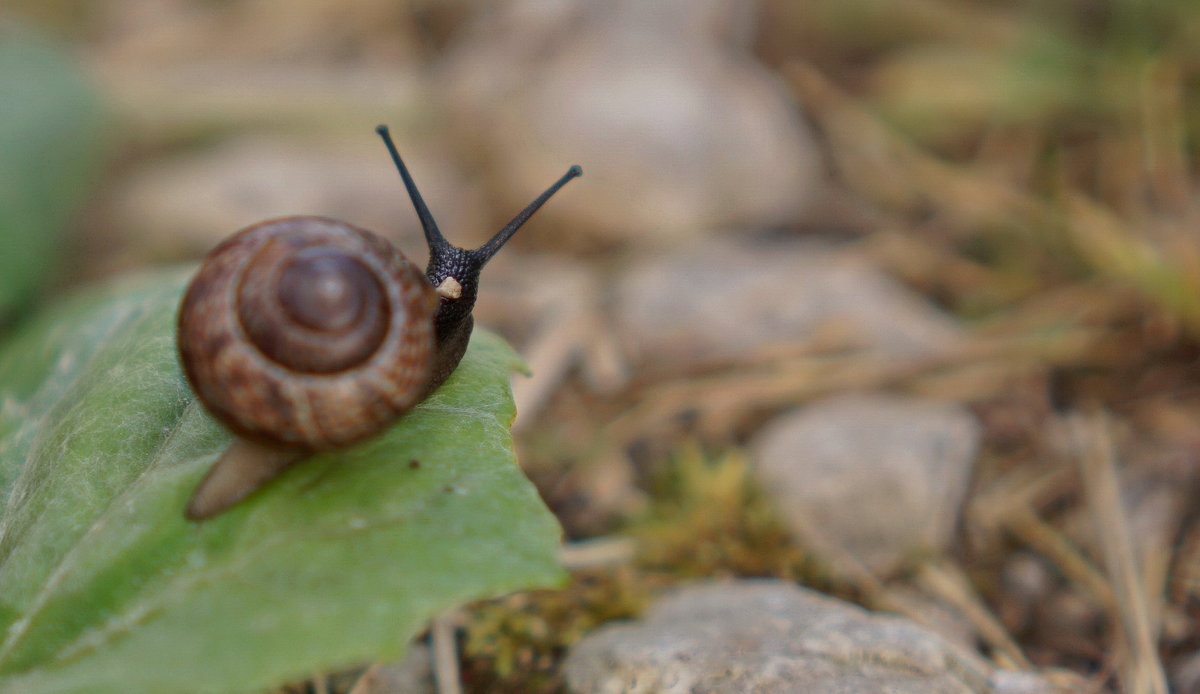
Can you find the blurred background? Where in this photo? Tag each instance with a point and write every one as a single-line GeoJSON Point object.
{"type": "Point", "coordinates": [934, 258]}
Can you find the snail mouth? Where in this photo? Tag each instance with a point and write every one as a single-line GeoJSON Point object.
{"type": "Point", "coordinates": [449, 288]}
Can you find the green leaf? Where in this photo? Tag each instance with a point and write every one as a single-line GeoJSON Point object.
{"type": "Point", "coordinates": [104, 587]}
{"type": "Point", "coordinates": [50, 147]}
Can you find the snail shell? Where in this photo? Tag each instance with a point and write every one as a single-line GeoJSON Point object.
{"type": "Point", "coordinates": [308, 332]}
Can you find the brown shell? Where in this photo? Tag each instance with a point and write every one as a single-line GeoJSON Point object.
{"type": "Point", "coordinates": [314, 406]}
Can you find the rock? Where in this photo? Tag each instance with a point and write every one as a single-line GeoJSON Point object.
{"type": "Point", "coordinates": [677, 128]}
{"type": "Point", "coordinates": [1026, 582]}
{"type": "Point", "coordinates": [769, 636]}
{"type": "Point", "coordinates": [413, 675]}
{"type": "Point", "coordinates": [184, 206]}
{"type": "Point", "coordinates": [878, 477]}
{"type": "Point", "coordinates": [723, 300]}
{"type": "Point", "coordinates": [1185, 674]}
{"type": "Point", "coordinates": [1020, 682]}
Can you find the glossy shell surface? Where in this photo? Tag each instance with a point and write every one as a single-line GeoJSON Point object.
{"type": "Point", "coordinates": [276, 367]}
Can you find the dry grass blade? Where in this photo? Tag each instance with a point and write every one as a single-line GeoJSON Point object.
{"type": "Point", "coordinates": [1166, 268]}
{"type": "Point", "coordinates": [720, 401]}
{"type": "Point", "coordinates": [445, 654]}
{"type": "Point", "coordinates": [1055, 546]}
{"type": "Point", "coordinates": [1187, 581]}
{"type": "Point", "coordinates": [598, 552]}
{"type": "Point", "coordinates": [879, 163]}
{"type": "Point", "coordinates": [1143, 671]}
{"type": "Point", "coordinates": [947, 582]}
{"type": "Point", "coordinates": [550, 355]}
{"type": "Point", "coordinates": [366, 681]}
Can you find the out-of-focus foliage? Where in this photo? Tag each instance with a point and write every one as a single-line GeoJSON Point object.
{"type": "Point", "coordinates": [50, 149]}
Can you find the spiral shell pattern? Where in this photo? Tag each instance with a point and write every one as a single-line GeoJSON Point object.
{"type": "Point", "coordinates": [308, 332]}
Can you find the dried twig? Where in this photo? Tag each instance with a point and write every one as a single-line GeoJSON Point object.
{"type": "Point", "coordinates": [602, 551]}
{"type": "Point", "coordinates": [365, 681]}
{"type": "Point", "coordinates": [1143, 673]}
{"type": "Point", "coordinates": [445, 654]}
{"type": "Point", "coordinates": [947, 582]}
{"type": "Point", "coordinates": [1051, 543]}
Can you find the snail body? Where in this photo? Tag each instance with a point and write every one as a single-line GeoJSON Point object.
{"type": "Point", "coordinates": [303, 334]}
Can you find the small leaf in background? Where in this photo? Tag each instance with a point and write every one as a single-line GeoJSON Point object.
{"type": "Point", "coordinates": [104, 587]}
{"type": "Point", "coordinates": [50, 149]}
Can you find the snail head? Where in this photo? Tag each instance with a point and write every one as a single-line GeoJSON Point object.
{"type": "Point", "coordinates": [453, 271]}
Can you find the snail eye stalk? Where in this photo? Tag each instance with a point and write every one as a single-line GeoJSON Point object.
{"type": "Point", "coordinates": [447, 254]}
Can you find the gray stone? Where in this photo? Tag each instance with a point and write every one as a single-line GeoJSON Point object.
{"type": "Point", "coordinates": [412, 675]}
{"type": "Point", "coordinates": [878, 477]}
{"type": "Point", "coordinates": [1185, 674]}
{"type": "Point", "coordinates": [678, 128]}
{"type": "Point", "coordinates": [769, 636]}
{"type": "Point", "coordinates": [723, 300]}
{"type": "Point", "coordinates": [1020, 682]}
{"type": "Point", "coordinates": [182, 206]}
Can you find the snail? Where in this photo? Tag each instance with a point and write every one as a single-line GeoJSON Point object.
{"type": "Point", "coordinates": [303, 334]}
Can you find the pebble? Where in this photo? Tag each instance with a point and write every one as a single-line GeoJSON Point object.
{"type": "Point", "coordinates": [723, 300]}
{"type": "Point", "coordinates": [880, 478]}
{"type": "Point", "coordinates": [1186, 674]}
{"type": "Point", "coordinates": [1020, 682]}
{"type": "Point", "coordinates": [679, 130]}
{"type": "Point", "coordinates": [412, 675]}
{"type": "Point", "coordinates": [182, 206]}
{"type": "Point", "coordinates": [770, 636]}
